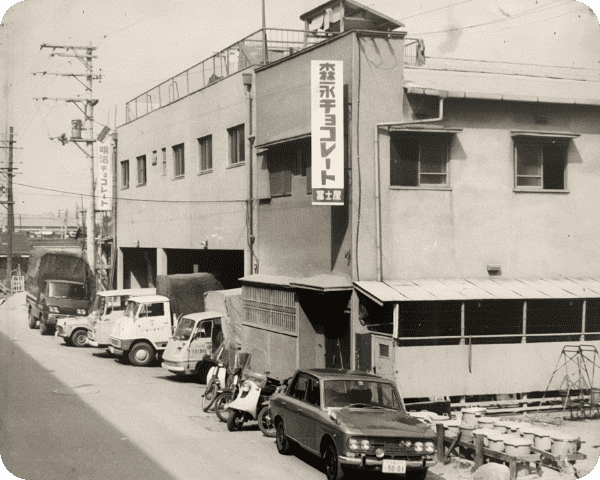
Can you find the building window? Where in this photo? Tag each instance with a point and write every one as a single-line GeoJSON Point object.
{"type": "Point", "coordinates": [419, 159]}
{"type": "Point", "coordinates": [205, 146]}
{"type": "Point", "coordinates": [141, 170]}
{"type": "Point", "coordinates": [125, 174]}
{"type": "Point", "coordinates": [285, 161]}
{"type": "Point", "coordinates": [540, 163]}
{"type": "Point", "coordinates": [154, 157]}
{"type": "Point", "coordinates": [164, 161]}
{"type": "Point", "coordinates": [236, 145]}
{"type": "Point", "coordinates": [179, 160]}
{"type": "Point", "coordinates": [270, 308]}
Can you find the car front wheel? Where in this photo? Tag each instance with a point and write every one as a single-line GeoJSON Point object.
{"type": "Point", "coordinates": [79, 338]}
{"type": "Point", "coordinates": [333, 467]}
{"type": "Point", "coordinates": [281, 439]}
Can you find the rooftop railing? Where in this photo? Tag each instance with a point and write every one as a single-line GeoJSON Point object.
{"type": "Point", "coordinates": [245, 53]}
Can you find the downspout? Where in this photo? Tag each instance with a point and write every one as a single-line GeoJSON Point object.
{"type": "Point", "coordinates": [377, 180]}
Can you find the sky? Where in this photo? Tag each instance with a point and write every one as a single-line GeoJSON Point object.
{"type": "Point", "coordinates": [141, 43]}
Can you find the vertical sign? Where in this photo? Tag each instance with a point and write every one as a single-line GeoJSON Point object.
{"type": "Point", "coordinates": [104, 178]}
{"type": "Point", "coordinates": [327, 132]}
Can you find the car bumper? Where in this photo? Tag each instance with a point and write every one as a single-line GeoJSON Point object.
{"type": "Point", "coordinates": [175, 368]}
{"type": "Point", "coordinates": [115, 350]}
{"type": "Point", "coordinates": [92, 343]}
{"type": "Point", "coordinates": [377, 463]}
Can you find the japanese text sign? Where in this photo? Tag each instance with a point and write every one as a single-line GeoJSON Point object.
{"type": "Point", "coordinates": [104, 177]}
{"type": "Point", "coordinates": [327, 132]}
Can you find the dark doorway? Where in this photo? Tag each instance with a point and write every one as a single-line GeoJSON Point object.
{"type": "Point", "coordinates": [226, 265]}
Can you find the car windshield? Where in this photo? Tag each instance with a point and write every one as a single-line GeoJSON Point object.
{"type": "Point", "coordinates": [132, 308]}
{"type": "Point", "coordinates": [184, 329]}
{"type": "Point", "coordinates": [66, 290]}
{"type": "Point", "coordinates": [360, 394]}
{"type": "Point", "coordinates": [99, 303]}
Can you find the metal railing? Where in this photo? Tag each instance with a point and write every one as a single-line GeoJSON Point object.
{"type": "Point", "coordinates": [245, 53]}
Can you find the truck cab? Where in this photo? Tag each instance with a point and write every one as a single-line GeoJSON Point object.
{"type": "Point", "coordinates": [143, 330]}
{"type": "Point", "coordinates": [59, 298]}
{"type": "Point", "coordinates": [109, 306]}
{"type": "Point", "coordinates": [196, 335]}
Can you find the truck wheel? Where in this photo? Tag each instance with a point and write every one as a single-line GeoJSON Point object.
{"type": "Point", "coordinates": [32, 321]}
{"type": "Point", "coordinates": [235, 421]}
{"type": "Point", "coordinates": [44, 329]}
{"type": "Point", "coordinates": [141, 355]}
{"type": "Point", "coordinates": [79, 338]}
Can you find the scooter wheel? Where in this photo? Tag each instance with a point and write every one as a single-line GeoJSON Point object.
{"type": "Point", "coordinates": [265, 422]}
{"type": "Point", "coordinates": [235, 421]}
{"type": "Point", "coordinates": [222, 405]}
{"type": "Point", "coordinates": [209, 397]}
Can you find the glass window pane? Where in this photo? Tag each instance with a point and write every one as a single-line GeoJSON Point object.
{"type": "Point", "coordinates": [529, 160]}
{"type": "Point", "coordinates": [429, 179]}
{"type": "Point", "coordinates": [554, 166]}
{"type": "Point", "coordinates": [529, 181]}
{"type": "Point", "coordinates": [433, 156]}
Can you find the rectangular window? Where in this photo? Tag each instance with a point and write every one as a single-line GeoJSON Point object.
{"type": "Point", "coordinates": [125, 174]}
{"type": "Point", "coordinates": [540, 163]}
{"type": "Point", "coordinates": [205, 146]}
{"type": "Point", "coordinates": [178, 160]}
{"type": "Point", "coordinates": [164, 161]}
{"type": "Point", "coordinates": [419, 159]}
{"type": "Point", "coordinates": [236, 145]}
{"type": "Point", "coordinates": [270, 308]}
{"type": "Point", "coordinates": [141, 170]}
{"type": "Point", "coordinates": [154, 157]}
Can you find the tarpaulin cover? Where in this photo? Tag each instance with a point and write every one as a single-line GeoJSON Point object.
{"type": "Point", "coordinates": [186, 291]}
{"type": "Point", "coordinates": [47, 264]}
{"type": "Point", "coordinates": [231, 305]}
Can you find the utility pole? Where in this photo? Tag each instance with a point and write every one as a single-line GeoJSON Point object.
{"type": "Point", "coordinates": [86, 59]}
{"type": "Point", "coordinates": [10, 207]}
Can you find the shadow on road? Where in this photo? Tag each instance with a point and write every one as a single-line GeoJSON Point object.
{"type": "Point", "coordinates": [47, 435]}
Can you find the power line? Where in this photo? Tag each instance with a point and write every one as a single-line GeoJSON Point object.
{"type": "Point", "coordinates": [434, 10]}
{"type": "Point", "coordinates": [131, 199]}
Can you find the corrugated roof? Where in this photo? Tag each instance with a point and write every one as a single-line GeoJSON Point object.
{"type": "Point", "coordinates": [462, 80]}
{"type": "Point", "coordinates": [479, 289]}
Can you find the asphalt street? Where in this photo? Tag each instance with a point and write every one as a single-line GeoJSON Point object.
{"type": "Point", "coordinates": [68, 413]}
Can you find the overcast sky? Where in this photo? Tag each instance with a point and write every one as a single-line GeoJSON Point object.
{"type": "Point", "coordinates": [141, 43]}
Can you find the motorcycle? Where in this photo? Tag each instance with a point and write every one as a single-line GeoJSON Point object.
{"type": "Point", "coordinates": [237, 363]}
{"type": "Point", "coordinates": [264, 419]}
{"type": "Point", "coordinates": [216, 376]}
{"type": "Point", "coordinates": [256, 388]}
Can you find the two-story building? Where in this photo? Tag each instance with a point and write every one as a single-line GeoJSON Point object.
{"type": "Point", "coordinates": [460, 255]}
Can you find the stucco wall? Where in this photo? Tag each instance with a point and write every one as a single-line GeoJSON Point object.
{"type": "Point", "coordinates": [480, 219]}
{"type": "Point", "coordinates": [198, 207]}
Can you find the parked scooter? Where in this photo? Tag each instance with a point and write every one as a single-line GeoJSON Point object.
{"type": "Point", "coordinates": [265, 420]}
{"type": "Point", "coordinates": [254, 391]}
{"type": "Point", "coordinates": [237, 363]}
{"type": "Point", "coordinates": [216, 376]}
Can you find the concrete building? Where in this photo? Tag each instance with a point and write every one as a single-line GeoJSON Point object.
{"type": "Point", "coordinates": [463, 248]}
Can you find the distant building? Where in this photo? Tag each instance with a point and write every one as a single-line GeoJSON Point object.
{"type": "Point", "coordinates": [44, 226]}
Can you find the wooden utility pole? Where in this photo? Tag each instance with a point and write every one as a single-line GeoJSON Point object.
{"type": "Point", "coordinates": [10, 207]}
{"type": "Point", "coordinates": [86, 59]}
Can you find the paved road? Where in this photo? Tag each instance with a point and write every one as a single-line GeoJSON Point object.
{"type": "Point", "coordinates": [68, 413]}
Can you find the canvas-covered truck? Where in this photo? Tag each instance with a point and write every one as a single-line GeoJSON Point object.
{"type": "Point", "coordinates": [58, 283]}
{"type": "Point", "coordinates": [201, 334]}
{"type": "Point", "coordinates": [149, 321]}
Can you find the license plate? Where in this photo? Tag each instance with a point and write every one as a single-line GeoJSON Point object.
{"type": "Point", "coordinates": [394, 466]}
{"type": "Point", "coordinates": [115, 351]}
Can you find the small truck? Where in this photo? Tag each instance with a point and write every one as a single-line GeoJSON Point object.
{"type": "Point", "coordinates": [108, 306]}
{"type": "Point", "coordinates": [59, 283]}
{"type": "Point", "coordinates": [149, 321]}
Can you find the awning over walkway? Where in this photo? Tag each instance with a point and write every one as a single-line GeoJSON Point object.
{"type": "Point", "coordinates": [323, 283]}
{"type": "Point", "coordinates": [479, 289]}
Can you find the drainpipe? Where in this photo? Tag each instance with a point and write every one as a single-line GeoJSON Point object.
{"type": "Point", "coordinates": [377, 179]}
{"type": "Point", "coordinates": [247, 81]}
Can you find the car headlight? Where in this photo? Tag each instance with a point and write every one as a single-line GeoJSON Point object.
{"type": "Point", "coordinates": [429, 447]}
{"type": "Point", "coordinates": [418, 447]}
{"type": "Point", "coordinates": [53, 309]}
{"type": "Point", "coordinates": [81, 311]}
{"type": "Point", "coordinates": [365, 444]}
{"type": "Point", "coordinates": [353, 444]}
{"type": "Point", "coordinates": [246, 386]}
{"type": "Point", "coordinates": [379, 453]}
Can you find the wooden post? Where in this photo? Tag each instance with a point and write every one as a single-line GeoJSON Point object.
{"type": "Point", "coordinates": [583, 313]}
{"type": "Point", "coordinates": [512, 467]}
{"type": "Point", "coordinates": [524, 338]}
{"type": "Point", "coordinates": [440, 442]}
{"type": "Point", "coordinates": [478, 450]}
{"type": "Point", "coordinates": [462, 324]}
